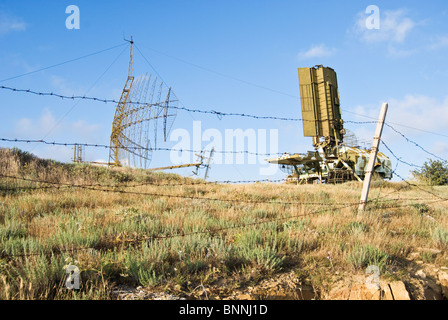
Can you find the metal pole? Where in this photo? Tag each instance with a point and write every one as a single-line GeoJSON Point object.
{"type": "Point", "coordinates": [372, 158]}
{"type": "Point", "coordinates": [208, 162]}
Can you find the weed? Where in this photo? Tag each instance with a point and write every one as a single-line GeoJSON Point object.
{"type": "Point", "coordinates": [440, 236]}
{"type": "Point", "coordinates": [365, 255]}
{"type": "Point", "coordinates": [420, 207]}
{"type": "Point", "coordinates": [157, 241]}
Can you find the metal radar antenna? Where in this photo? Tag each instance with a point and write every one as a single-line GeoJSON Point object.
{"type": "Point", "coordinates": [143, 102]}
{"type": "Point", "coordinates": [337, 156]}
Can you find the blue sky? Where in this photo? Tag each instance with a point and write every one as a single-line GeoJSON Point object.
{"type": "Point", "coordinates": [231, 56]}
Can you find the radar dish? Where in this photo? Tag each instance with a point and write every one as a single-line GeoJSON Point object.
{"type": "Point", "coordinates": [145, 101]}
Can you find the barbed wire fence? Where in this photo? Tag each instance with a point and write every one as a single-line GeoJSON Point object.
{"type": "Point", "coordinates": [233, 202]}
{"type": "Point", "coordinates": [216, 231]}
{"type": "Point", "coordinates": [397, 202]}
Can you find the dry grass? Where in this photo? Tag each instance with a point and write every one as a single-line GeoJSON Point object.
{"type": "Point", "coordinates": [120, 236]}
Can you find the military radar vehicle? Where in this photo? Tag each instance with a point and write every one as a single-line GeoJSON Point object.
{"type": "Point", "coordinates": [332, 160]}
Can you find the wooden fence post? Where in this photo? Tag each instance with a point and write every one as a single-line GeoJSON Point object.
{"type": "Point", "coordinates": [373, 153]}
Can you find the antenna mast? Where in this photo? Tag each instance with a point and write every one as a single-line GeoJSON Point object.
{"type": "Point", "coordinates": [116, 138]}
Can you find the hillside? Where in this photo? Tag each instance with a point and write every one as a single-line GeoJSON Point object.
{"type": "Point", "coordinates": [139, 234]}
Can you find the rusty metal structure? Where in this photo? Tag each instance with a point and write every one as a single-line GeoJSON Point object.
{"type": "Point", "coordinates": [199, 164]}
{"type": "Point", "coordinates": [78, 153]}
{"type": "Point", "coordinates": [144, 102]}
{"type": "Point", "coordinates": [333, 160]}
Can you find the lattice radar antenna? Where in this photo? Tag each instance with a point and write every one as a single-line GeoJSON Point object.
{"type": "Point", "coordinates": [144, 102]}
{"type": "Point", "coordinates": [337, 156]}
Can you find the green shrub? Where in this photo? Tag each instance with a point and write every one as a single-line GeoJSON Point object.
{"type": "Point", "coordinates": [434, 172]}
{"type": "Point", "coordinates": [440, 235]}
{"type": "Point", "coordinates": [420, 207]}
{"type": "Point", "coordinates": [363, 256]}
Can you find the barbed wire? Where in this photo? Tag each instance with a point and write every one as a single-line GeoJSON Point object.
{"type": "Point", "coordinates": [148, 183]}
{"type": "Point", "coordinates": [209, 230]}
{"type": "Point", "coordinates": [415, 143]}
{"type": "Point", "coordinates": [219, 151]}
{"type": "Point", "coordinates": [399, 159]}
{"type": "Point", "coordinates": [68, 144]}
{"type": "Point", "coordinates": [58, 185]}
{"type": "Point", "coordinates": [93, 187]}
{"type": "Point", "coordinates": [220, 114]}
{"type": "Point", "coordinates": [190, 150]}
{"type": "Point", "coordinates": [73, 97]}
{"type": "Point", "coordinates": [71, 144]}
{"type": "Point", "coordinates": [90, 187]}
{"type": "Point", "coordinates": [419, 187]}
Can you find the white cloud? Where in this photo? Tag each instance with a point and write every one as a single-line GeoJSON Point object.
{"type": "Point", "coordinates": [10, 24]}
{"type": "Point", "coordinates": [30, 127]}
{"type": "Point", "coordinates": [59, 153]}
{"type": "Point", "coordinates": [51, 128]}
{"type": "Point", "coordinates": [440, 147]}
{"type": "Point", "coordinates": [420, 111]}
{"type": "Point", "coordinates": [400, 53]}
{"type": "Point", "coordinates": [317, 51]}
{"type": "Point", "coordinates": [421, 119]}
{"type": "Point", "coordinates": [412, 111]}
{"type": "Point", "coordinates": [62, 85]}
{"type": "Point", "coordinates": [395, 26]}
{"type": "Point", "coordinates": [47, 122]}
{"type": "Point", "coordinates": [438, 42]}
